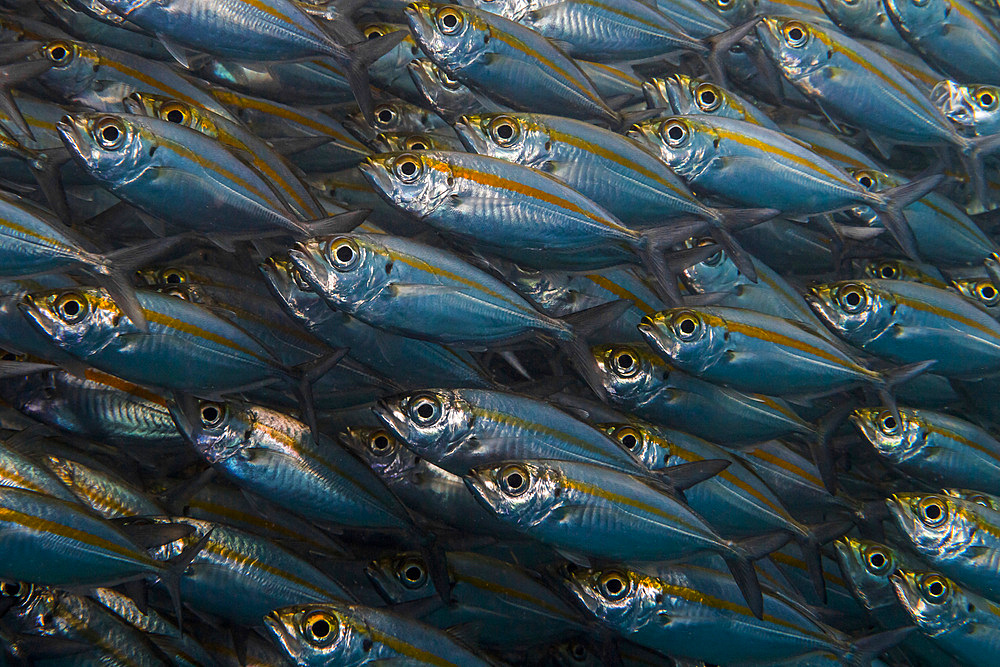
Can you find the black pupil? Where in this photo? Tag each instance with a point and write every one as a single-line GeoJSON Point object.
{"type": "Point", "coordinates": [173, 278]}
{"type": "Point", "coordinates": [932, 512]}
{"type": "Point", "coordinates": [625, 361]}
{"type": "Point", "coordinates": [708, 98]}
{"type": "Point", "coordinates": [385, 115]}
{"type": "Point", "coordinates": [986, 99]}
{"type": "Point", "coordinates": [425, 410]}
{"type": "Point", "coordinates": [175, 116]}
{"type": "Point", "coordinates": [374, 34]}
{"type": "Point", "coordinates": [450, 20]}
{"type": "Point", "coordinates": [380, 442]}
{"type": "Point", "coordinates": [345, 253]}
{"type": "Point", "coordinates": [877, 560]}
{"type": "Point", "coordinates": [853, 299]}
{"type": "Point", "coordinates": [11, 589]}
{"type": "Point", "coordinates": [417, 146]}
{"type": "Point", "coordinates": [505, 131]}
{"type": "Point", "coordinates": [888, 272]}
{"type": "Point", "coordinates": [71, 307]}
{"type": "Point", "coordinates": [630, 441]}
{"type": "Point", "coordinates": [320, 629]}
{"type": "Point", "coordinates": [408, 168]}
{"type": "Point", "coordinates": [579, 652]}
{"type": "Point", "coordinates": [614, 586]}
{"type": "Point", "coordinates": [209, 413]}
{"type": "Point", "coordinates": [515, 480]}
{"type": "Point", "coordinates": [109, 133]}
{"type": "Point", "coordinates": [676, 132]}
{"type": "Point", "coordinates": [988, 291]}
{"type": "Point", "coordinates": [687, 327]}
{"type": "Point", "coordinates": [413, 573]}
{"type": "Point", "coordinates": [866, 181]}
{"type": "Point", "coordinates": [936, 588]}
{"type": "Point", "coordinates": [795, 34]}
{"type": "Point", "coordinates": [58, 53]}
{"type": "Point", "coordinates": [889, 423]}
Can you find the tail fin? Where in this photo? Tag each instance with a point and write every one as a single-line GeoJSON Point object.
{"type": "Point", "coordinates": [741, 566]}
{"type": "Point", "coordinates": [866, 649]}
{"type": "Point", "coordinates": [974, 152]}
{"type": "Point", "coordinates": [820, 448]}
{"type": "Point", "coordinates": [305, 375]}
{"type": "Point", "coordinates": [45, 167]}
{"type": "Point", "coordinates": [582, 324]}
{"type": "Point", "coordinates": [335, 224]}
{"type": "Point", "coordinates": [719, 44]}
{"type": "Point", "coordinates": [894, 376]}
{"type": "Point", "coordinates": [686, 475]}
{"type": "Point", "coordinates": [174, 573]}
{"type": "Point", "coordinates": [652, 254]}
{"type": "Point", "coordinates": [362, 55]}
{"type": "Point", "coordinates": [816, 536]}
{"type": "Point", "coordinates": [11, 75]}
{"type": "Point", "coordinates": [891, 211]}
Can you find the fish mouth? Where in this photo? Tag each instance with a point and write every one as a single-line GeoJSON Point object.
{"type": "Point", "coordinates": [393, 418]}
{"type": "Point", "coordinates": [273, 623]}
{"type": "Point", "coordinates": [377, 176]}
{"type": "Point", "coordinates": [476, 483]}
{"type": "Point", "coordinates": [302, 258]}
{"type": "Point", "coordinates": [905, 588]}
{"type": "Point", "coordinates": [423, 29]}
{"type": "Point", "coordinates": [72, 132]}
{"type": "Point", "coordinates": [898, 509]}
{"type": "Point", "coordinates": [469, 137]}
{"type": "Point", "coordinates": [37, 315]}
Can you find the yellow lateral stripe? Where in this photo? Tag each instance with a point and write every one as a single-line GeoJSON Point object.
{"type": "Point", "coordinates": [598, 492]}
{"type": "Point", "coordinates": [785, 465]}
{"type": "Point", "coordinates": [504, 418]}
{"type": "Point", "coordinates": [518, 45]}
{"type": "Point", "coordinates": [620, 292]}
{"type": "Point", "coordinates": [746, 140]}
{"type": "Point", "coordinates": [927, 308]}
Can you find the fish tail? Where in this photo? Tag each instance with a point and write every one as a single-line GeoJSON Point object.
{"type": "Point", "coordinates": [334, 224]}
{"type": "Point", "coordinates": [171, 577]}
{"type": "Point", "coordinates": [820, 446]}
{"type": "Point", "coordinates": [652, 252]}
{"type": "Point", "coordinates": [894, 376]}
{"type": "Point", "coordinates": [740, 565]}
{"type": "Point", "coordinates": [719, 44]}
{"type": "Point", "coordinates": [582, 324]}
{"type": "Point", "coordinates": [890, 209]}
{"type": "Point", "coordinates": [12, 74]}
{"type": "Point", "coordinates": [974, 150]}
{"type": "Point", "coordinates": [863, 651]}
{"type": "Point", "coordinates": [814, 537]}
{"type": "Point", "coordinates": [734, 220]}
{"type": "Point", "coordinates": [362, 55]}
{"type": "Point", "coordinates": [683, 476]}
{"type": "Point", "coordinates": [304, 376]}
{"type": "Point", "coordinates": [45, 167]}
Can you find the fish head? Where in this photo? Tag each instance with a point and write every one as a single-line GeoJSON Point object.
{"type": "Point", "coordinates": [512, 137]}
{"type": "Point", "coordinates": [318, 634]}
{"type": "Point", "coordinates": [79, 321]}
{"type": "Point", "coordinates": [884, 269]}
{"type": "Point", "coordinates": [973, 108]}
{"type": "Point", "coordinates": [171, 110]}
{"type": "Point", "coordinates": [380, 449]}
{"type": "Point", "coordinates": [444, 93]}
{"type": "Point", "coordinates": [873, 181]}
{"type": "Point", "coordinates": [451, 36]}
{"type": "Point", "coordinates": [867, 565]}
{"type": "Point", "coordinates": [17, 598]}
{"type": "Point", "coordinates": [346, 270]}
{"type": "Point", "coordinates": [712, 274]}
{"type": "Point", "coordinates": [111, 147]}
{"type": "Point", "coordinates": [934, 524]}
{"type": "Point", "coordinates": [432, 423]}
{"type": "Point", "coordinates": [850, 15]}
{"type": "Point", "coordinates": [978, 497]}
{"type": "Point", "coordinates": [40, 609]}
{"type": "Point", "coordinates": [641, 442]}
{"type": "Point", "coordinates": [892, 440]}
{"type": "Point", "coordinates": [218, 430]}
{"type": "Point", "coordinates": [854, 310]}
{"type": "Point", "coordinates": [397, 142]}
{"type": "Point", "coordinates": [519, 493]}
{"type": "Point", "coordinates": [692, 340]}
{"type": "Point", "coordinates": [75, 67]}
{"type": "Point", "coordinates": [981, 290]}
{"type": "Point", "coordinates": [286, 282]}
{"type": "Point", "coordinates": [418, 182]}
{"type": "Point", "coordinates": [795, 46]}
{"type": "Point", "coordinates": [685, 143]}
{"type": "Point", "coordinates": [734, 11]}
{"type": "Point", "coordinates": [629, 374]}
{"type": "Point", "coordinates": [934, 601]}
{"type": "Point", "coordinates": [915, 18]}
{"type": "Point", "coordinates": [621, 598]}
{"type": "Point", "coordinates": [397, 116]}
{"type": "Point", "coordinates": [401, 577]}
{"type": "Point", "coordinates": [163, 276]}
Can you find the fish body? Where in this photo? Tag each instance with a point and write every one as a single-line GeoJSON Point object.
{"type": "Point", "coordinates": [972, 108]}
{"type": "Point", "coordinates": [105, 492]}
{"type": "Point", "coordinates": [318, 81]}
{"type": "Point", "coordinates": [866, 19]}
{"type": "Point", "coordinates": [448, 97]}
{"type": "Point", "coordinates": [685, 95]}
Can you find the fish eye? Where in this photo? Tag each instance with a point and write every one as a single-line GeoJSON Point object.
{"type": "Point", "coordinates": [986, 98]}
{"type": "Point", "coordinates": [866, 180]}
{"type": "Point", "coordinates": [449, 21]}
{"type": "Point", "coordinates": [320, 629]}
{"type": "Point", "coordinates": [687, 326]}
{"type": "Point", "coordinates": [674, 132]}
{"type": "Point", "coordinates": [425, 410]}
{"type": "Point", "coordinates": [796, 34]}
{"type": "Point", "coordinates": [211, 414]}
{"type": "Point", "coordinates": [416, 143]}
{"type": "Point", "coordinates": [987, 293]}
{"type": "Point", "coordinates": [933, 511]}
{"type": "Point", "coordinates": [877, 560]}
{"type": "Point", "coordinates": [624, 362]}
{"type": "Point", "coordinates": [60, 53]}
{"type": "Point", "coordinates": [708, 97]}
{"type": "Point", "coordinates": [175, 112]}
{"type": "Point", "coordinates": [613, 585]}
{"type": "Point", "coordinates": [724, 4]}
{"type": "Point", "coordinates": [887, 422]}
{"type": "Point", "coordinates": [343, 254]}
{"type": "Point", "coordinates": [578, 651]}
{"type": "Point", "coordinates": [934, 587]}
{"type": "Point", "coordinates": [373, 32]}
{"type": "Point", "coordinates": [628, 436]}
{"type": "Point", "coordinates": [514, 480]}
{"type": "Point", "coordinates": [385, 114]}
{"type": "Point", "coordinates": [109, 133]}
{"type": "Point", "coordinates": [173, 276]}
{"type": "Point", "coordinates": [852, 298]}
{"type": "Point", "coordinates": [411, 573]}
{"type": "Point", "coordinates": [920, 3]}
{"type": "Point", "coordinates": [72, 307]}
{"type": "Point", "coordinates": [979, 499]}
{"type": "Point", "coordinates": [504, 130]}
{"type": "Point", "coordinates": [15, 589]}
{"type": "Point", "coordinates": [887, 271]}
{"type": "Point", "coordinates": [407, 168]}
{"type": "Point", "coordinates": [380, 443]}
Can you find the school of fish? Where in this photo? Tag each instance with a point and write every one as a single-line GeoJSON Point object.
{"type": "Point", "coordinates": [554, 333]}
